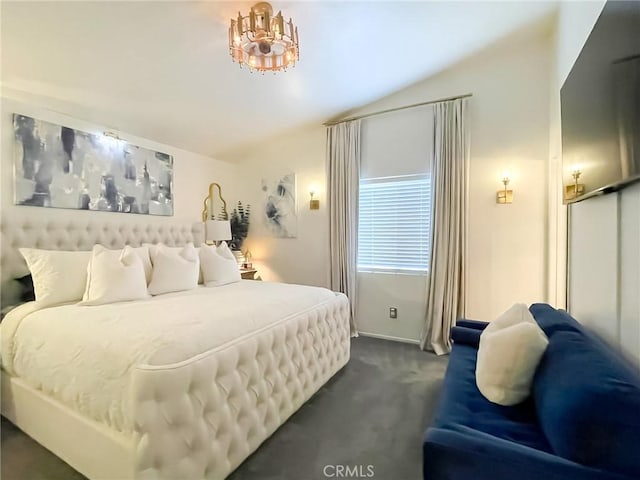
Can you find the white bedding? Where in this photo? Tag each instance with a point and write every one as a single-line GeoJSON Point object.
{"type": "Point", "coordinates": [84, 355]}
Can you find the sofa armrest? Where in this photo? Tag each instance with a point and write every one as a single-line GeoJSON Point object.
{"type": "Point", "coordinates": [468, 336]}
{"type": "Point", "coordinates": [475, 324]}
{"type": "Point", "coordinates": [465, 454]}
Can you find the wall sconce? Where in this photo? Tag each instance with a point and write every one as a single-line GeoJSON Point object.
{"type": "Point", "coordinates": [207, 211]}
{"type": "Point", "coordinates": [575, 189]}
{"type": "Point", "coordinates": [313, 204]}
{"type": "Point", "coordinates": [504, 196]}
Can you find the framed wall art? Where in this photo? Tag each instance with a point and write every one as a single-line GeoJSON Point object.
{"type": "Point", "coordinates": [280, 212]}
{"type": "Point", "coordinates": [61, 167]}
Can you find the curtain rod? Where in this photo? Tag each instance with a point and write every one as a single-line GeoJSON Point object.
{"type": "Point", "coordinates": [389, 110]}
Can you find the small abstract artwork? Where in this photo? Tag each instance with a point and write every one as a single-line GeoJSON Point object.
{"type": "Point", "coordinates": [61, 167]}
{"type": "Point", "coordinates": [280, 215]}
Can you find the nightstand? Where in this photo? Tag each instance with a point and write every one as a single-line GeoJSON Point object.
{"type": "Point", "coordinates": [248, 273]}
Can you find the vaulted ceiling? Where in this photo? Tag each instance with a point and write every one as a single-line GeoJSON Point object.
{"type": "Point", "coordinates": [161, 70]}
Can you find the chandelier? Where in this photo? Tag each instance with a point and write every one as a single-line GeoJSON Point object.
{"type": "Point", "coordinates": [262, 41]}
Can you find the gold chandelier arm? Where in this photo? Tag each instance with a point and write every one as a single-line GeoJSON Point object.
{"type": "Point", "coordinates": [209, 198]}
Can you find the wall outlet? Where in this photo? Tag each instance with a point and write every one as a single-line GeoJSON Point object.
{"type": "Point", "coordinates": [393, 312]}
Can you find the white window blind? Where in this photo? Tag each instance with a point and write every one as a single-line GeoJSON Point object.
{"type": "Point", "coordinates": [394, 225]}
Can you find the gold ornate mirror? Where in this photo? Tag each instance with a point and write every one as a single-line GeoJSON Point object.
{"type": "Point", "coordinates": [210, 211]}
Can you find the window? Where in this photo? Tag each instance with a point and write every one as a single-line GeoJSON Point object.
{"type": "Point", "coordinates": [394, 227]}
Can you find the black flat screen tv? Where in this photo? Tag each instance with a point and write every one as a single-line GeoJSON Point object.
{"type": "Point", "coordinates": [600, 107]}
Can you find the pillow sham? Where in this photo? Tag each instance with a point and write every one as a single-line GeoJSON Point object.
{"type": "Point", "coordinates": [114, 276]}
{"type": "Point", "coordinates": [516, 313]}
{"type": "Point", "coordinates": [152, 247]}
{"type": "Point", "coordinates": [174, 269]}
{"type": "Point", "coordinates": [219, 265]}
{"type": "Point", "coordinates": [58, 276]}
{"type": "Point", "coordinates": [145, 256]}
{"type": "Point", "coordinates": [27, 294]}
{"type": "Point", "coordinates": [508, 356]}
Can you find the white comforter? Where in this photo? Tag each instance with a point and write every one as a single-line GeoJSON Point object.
{"type": "Point", "coordinates": [83, 355]}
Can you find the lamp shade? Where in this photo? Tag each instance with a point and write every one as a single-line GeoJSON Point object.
{"type": "Point", "coordinates": [218, 230]}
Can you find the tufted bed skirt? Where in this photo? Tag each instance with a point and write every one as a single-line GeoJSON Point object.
{"type": "Point", "coordinates": [197, 418]}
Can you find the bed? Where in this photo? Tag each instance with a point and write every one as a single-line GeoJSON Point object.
{"type": "Point", "coordinates": [184, 385]}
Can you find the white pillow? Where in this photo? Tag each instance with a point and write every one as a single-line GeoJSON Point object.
{"type": "Point", "coordinates": [114, 276]}
{"type": "Point", "coordinates": [152, 251]}
{"type": "Point", "coordinates": [155, 247]}
{"type": "Point", "coordinates": [174, 269]}
{"type": "Point", "coordinates": [509, 352]}
{"type": "Point", "coordinates": [145, 256]}
{"type": "Point", "coordinates": [518, 312]}
{"type": "Point", "coordinates": [58, 276]}
{"type": "Point", "coordinates": [219, 265]}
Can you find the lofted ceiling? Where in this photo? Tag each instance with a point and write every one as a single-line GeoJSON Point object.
{"type": "Point", "coordinates": [161, 70]}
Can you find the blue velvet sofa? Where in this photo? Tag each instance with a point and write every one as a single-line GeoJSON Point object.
{"type": "Point", "coordinates": [581, 422]}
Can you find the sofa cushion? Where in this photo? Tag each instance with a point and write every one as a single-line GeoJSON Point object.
{"type": "Point", "coordinates": [551, 320]}
{"type": "Point", "coordinates": [588, 402]}
{"type": "Point", "coordinates": [468, 336]}
{"type": "Point", "coordinates": [474, 324]}
{"type": "Point", "coordinates": [462, 404]}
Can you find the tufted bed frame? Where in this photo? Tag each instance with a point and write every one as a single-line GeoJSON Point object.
{"type": "Point", "coordinates": [199, 418]}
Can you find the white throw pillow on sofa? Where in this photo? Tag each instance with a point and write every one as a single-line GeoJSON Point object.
{"type": "Point", "coordinates": [114, 276]}
{"type": "Point", "coordinates": [518, 312]}
{"type": "Point", "coordinates": [510, 350]}
{"type": "Point", "coordinates": [219, 265]}
{"type": "Point", "coordinates": [174, 269]}
{"type": "Point", "coordinates": [58, 276]}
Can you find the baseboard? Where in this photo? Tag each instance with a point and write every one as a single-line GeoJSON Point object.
{"type": "Point", "coordinates": [389, 337]}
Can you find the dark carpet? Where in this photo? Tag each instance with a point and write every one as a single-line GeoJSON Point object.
{"type": "Point", "coordinates": [370, 417]}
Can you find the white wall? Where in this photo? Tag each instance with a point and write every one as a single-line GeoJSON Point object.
{"type": "Point", "coordinates": [593, 254]}
{"type": "Point", "coordinates": [509, 120]}
{"type": "Point", "coordinates": [303, 259]}
{"type": "Point", "coordinates": [575, 22]}
{"type": "Point", "coordinates": [192, 172]}
{"type": "Point", "coordinates": [604, 267]}
{"type": "Point", "coordinates": [629, 271]}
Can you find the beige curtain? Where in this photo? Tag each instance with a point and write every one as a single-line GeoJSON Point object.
{"type": "Point", "coordinates": [343, 162]}
{"type": "Point", "coordinates": [445, 285]}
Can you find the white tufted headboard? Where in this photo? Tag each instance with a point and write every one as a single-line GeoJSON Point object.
{"type": "Point", "coordinates": [82, 232]}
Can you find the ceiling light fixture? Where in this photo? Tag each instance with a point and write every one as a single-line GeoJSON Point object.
{"type": "Point", "coordinates": [262, 41]}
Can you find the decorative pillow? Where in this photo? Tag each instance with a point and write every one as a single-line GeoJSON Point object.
{"type": "Point", "coordinates": [517, 313]}
{"type": "Point", "coordinates": [510, 350]}
{"type": "Point", "coordinates": [58, 276]}
{"type": "Point", "coordinates": [219, 265]}
{"type": "Point", "coordinates": [27, 294]}
{"type": "Point", "coordinates": [114, 276]}
{"type": "Point", "coordinates": [152, 251]}
{"type": "Point", "coordinates": [145, 256]}
{"type": "Point", "coordinates": [174, 269]}
{"type": "Point", "coordinates": [200, 275]}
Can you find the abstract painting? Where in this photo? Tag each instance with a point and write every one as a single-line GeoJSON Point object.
{"type": "Point", "coordinates": [61, 167]}
{"type": "Point", "coordinates": [280, 216]}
